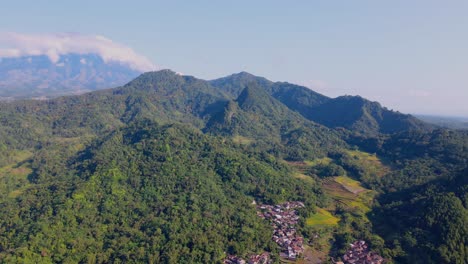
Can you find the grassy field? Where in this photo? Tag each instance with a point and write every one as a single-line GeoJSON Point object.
{"type": "Point", "coordinates": [303, 166]}
{"type": "Point", "coordinates": [322, 218]}
{"type": "Point", "coordinates": [13, 177]}
{"type": "Point", "coordinates": [303, 177]}
{"type": "Point", "coordinates": [371, 162]}
{"type": "Point", "coordinates": [321, 161]}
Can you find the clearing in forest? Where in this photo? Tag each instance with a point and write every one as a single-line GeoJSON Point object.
{"type": "Point", "coordinates": [372, 164]}
{"type": "Point", "coordinates": [322, 218]}
{"type": "Point", "coordinates": [14, 176]}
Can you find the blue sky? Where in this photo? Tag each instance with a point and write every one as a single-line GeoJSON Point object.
{"type": "Point", "coordinates": [411, 56]}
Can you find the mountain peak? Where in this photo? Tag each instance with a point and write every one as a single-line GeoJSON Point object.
{"type": "Point", "coordinates": [153, 77]}
{"type": "Point", "coordinates": [252, 95]}
{"type": "Point", "coordinates": [235, 83]}
{"type": "Point", "coordinates": [255, 99]}
{"type": "Point", "coordinates": [246, 77]}
{"type": "Point", "coordinates": [160, 73]}
{"type": "Point", "coordinates": [243, 74]}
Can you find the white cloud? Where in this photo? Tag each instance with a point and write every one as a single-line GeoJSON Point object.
{"type": "Point", "coordinates": [55, 44]}
{"type": "Point", "coordinates": [83, 61]}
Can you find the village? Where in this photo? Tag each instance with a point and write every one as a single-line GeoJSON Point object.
{"type": "Point", "coordinates": [359, 254]}
{"type": "Point", "coordinates": [263, 258]}
{"type": "Point", "coordinates": [283, 219]}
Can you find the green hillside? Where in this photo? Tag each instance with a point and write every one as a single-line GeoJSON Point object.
{"type": "Point", "coordinates": [276, 128]}
{"type": "Point", "coordinates": [428, 223]}
{"type": "Point", "coordinates": [148, 193]}
{"type": "Point", "coordinates": [167, 169]}
{"type": "Point", "coordinates": [351, 112]}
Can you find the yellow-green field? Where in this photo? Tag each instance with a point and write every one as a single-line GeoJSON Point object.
{"type": "Point", "coordinates": [321, 161]}
{"type": "Point", "coordinates": [371, 162]}
{"type": "Point", "coordinates": [322, 218]}
{"type": "Point", "coordinates": [303, 177]}
{"type": "Point", "coordinates": [303, 166]}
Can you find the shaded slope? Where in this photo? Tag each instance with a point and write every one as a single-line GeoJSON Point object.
{"type": "Point", "coordinates": [296, 97]}
{"type": "Point", "coordinates": [351, 112]}
{"type": "Point", "coordinates": [429, 222]}
{"type": "Point", "coordinates": [363, 116]}
{"type": "Point", "coordinates": [257, 115]}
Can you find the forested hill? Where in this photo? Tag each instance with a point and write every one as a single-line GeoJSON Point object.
{"type": "Point", "coordinates": [163, 96]}
{"type": "Point", "coordinates": [351, 112]}
{"type": "Point", "coordinates": [166, 168]}
{"type": "Point", "coordinates": [147, 193]}
{"type": "Point", "coordinates": [429, 222]}
{"type": "Point", "coordinates": [166, 97]}
{"type": "Point", "coordinates": [257, 118]}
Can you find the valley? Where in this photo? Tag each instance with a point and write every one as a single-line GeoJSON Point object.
{"type": "Point", "coordinates": [348, 199]}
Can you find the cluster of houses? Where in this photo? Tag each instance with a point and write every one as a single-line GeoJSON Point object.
{"type": "Point", "coordinates": [283, 219]}
{"type": "Point", "coordinates": [263, 258]}
{"type": "Point", "coordinates": [359, 254]}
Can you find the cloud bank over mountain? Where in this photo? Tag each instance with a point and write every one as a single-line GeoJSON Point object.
{"type": "Point", "coordinates": [13, 45]}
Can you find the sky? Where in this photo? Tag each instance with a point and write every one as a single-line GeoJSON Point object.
{"type": "Point", "coordinates": [411, 56]}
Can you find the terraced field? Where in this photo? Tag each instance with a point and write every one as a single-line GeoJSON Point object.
{"type": "Point", "coordinates": [350, 184]}
{"type": "Point", "coordinates": [372, 163]}
{"type": "Point", "coordinates": [348, 193]}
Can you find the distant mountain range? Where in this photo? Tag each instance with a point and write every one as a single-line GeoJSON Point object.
{"type": "Point", "coordinates": [446, 121]}
{"type": "Point", "coordinates": [38, 77]}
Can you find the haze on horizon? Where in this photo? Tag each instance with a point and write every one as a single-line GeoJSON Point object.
{"type": "Point", "coordinates": [409, 56]}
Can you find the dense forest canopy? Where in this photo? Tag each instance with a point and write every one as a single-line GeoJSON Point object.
{"type": "Point", "coordinates": [165, 170]}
